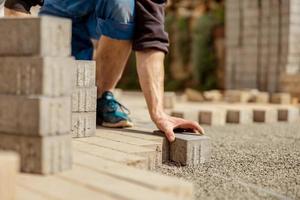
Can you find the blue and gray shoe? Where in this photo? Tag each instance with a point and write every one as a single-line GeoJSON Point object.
{"type": "Point", "coordinates": [110, 113]}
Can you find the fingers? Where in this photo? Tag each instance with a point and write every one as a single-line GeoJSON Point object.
{"type": "Point", "coordinates": [170, 135]}
{"type": "Point", "coordinates": [192, 125]}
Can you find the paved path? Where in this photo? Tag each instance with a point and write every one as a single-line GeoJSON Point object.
{"type": "Point", "coordinates": [259, 161]}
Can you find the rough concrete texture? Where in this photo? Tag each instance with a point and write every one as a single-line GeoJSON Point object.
{"type": "Point", "coordinates": [265, 115]}
{"type": "Point", "coordinates": [288, 113]}
{"type": "Point", "coordinates": [190, 149]}
{"type": "Point", "coordinates": [85, 73]}
{"type": "Point", "coordinates": [255, 161]}
{"type": "Point", "coordinates": [185, 114]}
{"type": "Point", "coordinates": [35, 115]}
{"type": "Point", "coordinates": [45, 36]}
{"type": "Point", "coordinates": [169, 100]}
{"type": "Point", "coordinates": [212, 116]}
{"type": "Point", "coordinates": [281, 98]}
{"type": "Point", "coordinates": [1, 9]}
{"type": "Point", "coordinates": [213, 95]}
{"type": "Point", "coordinates": [49, 76]}
{"type": "Point", "coordinates": [247, 162]}
{"type": "Point", "coordinates": [84, 99]}
{"type": "Point", "coordinates": [237, 96]}
{"type": "Point", "coordinates": [41, 155]}
{"type": "Point", "coordinates": [262, 97]}
{"type": "Point", "coordinates": [239, 116]}
{"type": "Point", "coordinates": [83, 124]}
{"type": "Point", "coordinates": [9, 169]}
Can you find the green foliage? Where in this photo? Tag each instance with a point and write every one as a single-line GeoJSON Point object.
{"type": "Point", "coordinates": [190, 46]}
{"type": "Point", "coordinates": [183, 39]}
{"type": "Point", "coordinates": [130, 79]}
{"type": "Point", "coordinates": [204, 59]}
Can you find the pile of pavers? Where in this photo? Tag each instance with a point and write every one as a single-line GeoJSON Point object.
{"type": "Point", "coordinates": [261, 44]}
{"type": "Point", "coordinates": [35, 92]}
{"type": "Point", "coordinates": [84, 100]}
{"type": "Point", "coordinates": [237, 107]}
{"type": "Point", "coordinates": [1, 9]}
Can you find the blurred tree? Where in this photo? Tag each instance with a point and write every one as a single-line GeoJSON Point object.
{"type": "Point", "coordinates": [196, 51]}
{"type": "Point", "coordinates": [204, 56]}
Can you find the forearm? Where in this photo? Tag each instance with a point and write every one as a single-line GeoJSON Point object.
{"type": "Point", "coordinates": [150, 67]}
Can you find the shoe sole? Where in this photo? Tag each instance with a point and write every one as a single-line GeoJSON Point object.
{"type": "Point", "coordinates": [121, 124]}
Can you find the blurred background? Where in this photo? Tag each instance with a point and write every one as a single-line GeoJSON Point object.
{"type": "Point", "coordinates": [196, 58]}
{"type": "Point", "coordinates": [230, 44]}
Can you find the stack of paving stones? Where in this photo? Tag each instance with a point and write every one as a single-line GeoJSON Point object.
{"type": "Point", "coordinates": [1, 9]}
{"type": "Point", "coordinates": [35, 92]}
{"type": "Point", "coordinates": [84, 100]}
{"type": "Point", "coordinates": [9, 169]}
{"type": "Point", "coordinates": [261, 43]}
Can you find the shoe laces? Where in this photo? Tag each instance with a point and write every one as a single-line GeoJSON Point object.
{"type": "Point", "coordinates": [113, 104]}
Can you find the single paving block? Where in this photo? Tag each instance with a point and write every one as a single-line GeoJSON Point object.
{"type": "Point", "coordinates": [169, 100]}
{"type": "Point", "coordinates": [185, 114]}
{"type": "Point", "coordinates": [43, 36]}
{"type": "Point", "coordinates": [83, 124]}
{"type": "Point", "coordinates": [239, 115]}
{"type": "Point", "coordinates": [9, 169]}
{"type": "Point", "coordinates": [190, 149]}
{"type": "Point", "coordinates": [41, 155]}
{"type": "Point", "coordinates": [265, 115]}
{"type": "Point", "coordinates": [288, 113]}
{"type": "Point", "coordinates": [85, 73]}
{"type": "Point", "coordinates": [234, 96]}
{"type": "Point", "coordinates": [49, 76]}
{"type": "Point", "coordinates": [35, 115]}
{"type": "Point", "coordinates": [212, 116]}
{"type": "Point", "coordinates": [194, 95]}
{"type": "Point", "coordinates": [281, 98]}
{"type": "Point", "coordinates": [213, 95]}
{"type": "Point", "coordinates": [84, 99]}
{"type": "Point", "coordinates": [262, 97]}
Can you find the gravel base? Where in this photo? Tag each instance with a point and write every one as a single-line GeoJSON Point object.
{"type": "Point", "coordinates": [248, 162]}
{"type": "Point", "coordinates": [258, 161]}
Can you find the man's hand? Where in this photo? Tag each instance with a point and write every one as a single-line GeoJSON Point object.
{"type": "Point", "coordinates": [168, 124]}
{"type": "Point", "coordinates": [151, 75]}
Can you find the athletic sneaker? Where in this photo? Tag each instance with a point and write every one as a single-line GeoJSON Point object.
{"type": "Point", "coordinates": [110, 113]}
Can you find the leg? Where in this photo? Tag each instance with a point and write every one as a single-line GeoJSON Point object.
{"type": "Point", "coordinates": [115, 25]}
{"type": "Point", "coordinates": [111, 57]}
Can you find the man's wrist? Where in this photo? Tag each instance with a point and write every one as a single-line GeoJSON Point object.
{"type": "Point", "coordinates": [157, 115]}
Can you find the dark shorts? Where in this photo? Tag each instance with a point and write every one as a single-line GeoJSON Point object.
{"type": "Point", "coordinates": [150, 31]}
{"type": "Point", "coordinates": [93, 18]}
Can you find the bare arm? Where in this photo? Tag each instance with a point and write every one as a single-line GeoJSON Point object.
{"type": "Point", "coordinates": [150, 66]}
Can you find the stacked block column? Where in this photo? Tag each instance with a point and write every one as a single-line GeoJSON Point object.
{"type": "Point", "coordinates": [35, 92]}
{"type": "Point", "coordinates": [84, 100]}
{"type": "Point", "coordinates": [262, 43]}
